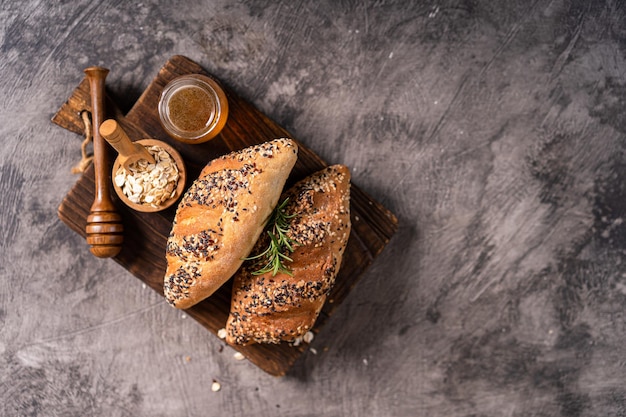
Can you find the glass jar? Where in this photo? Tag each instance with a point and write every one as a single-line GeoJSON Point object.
{"type": "Point", "coordinates": [193, 108]}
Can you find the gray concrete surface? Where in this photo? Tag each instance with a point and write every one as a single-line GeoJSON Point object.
{"type": "Point", "coordinates": [495, 130]}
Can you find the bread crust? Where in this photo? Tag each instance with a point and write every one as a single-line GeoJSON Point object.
{"type": "Point", "coordinates": [271, 309]}
{"type": "Point", "coordinates": [221, 216]}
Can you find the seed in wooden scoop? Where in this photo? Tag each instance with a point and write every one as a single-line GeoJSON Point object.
{"type": "Point", "coordinates": [146, 183]}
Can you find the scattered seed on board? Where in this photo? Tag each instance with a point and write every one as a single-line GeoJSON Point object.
{"type": "Point", "coordinates": [216, 386]}
{"type": "Point", "coordinates": [239, 356]}
{"type": "Point", "coordinates": [306, 338]}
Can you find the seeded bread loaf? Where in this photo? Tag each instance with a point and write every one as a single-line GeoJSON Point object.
{"type": "Point", "coordinates": [271, 308]}
{"type": "Point", "coordinates": [221, 216]}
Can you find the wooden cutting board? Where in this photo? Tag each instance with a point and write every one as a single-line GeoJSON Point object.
{"type": "Point", "coordinates": [145, 234]}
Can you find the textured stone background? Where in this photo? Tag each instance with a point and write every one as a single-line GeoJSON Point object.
{"type": "Point", "coordinates": [495, 130]}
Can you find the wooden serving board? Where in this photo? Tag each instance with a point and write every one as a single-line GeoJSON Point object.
{"type": "Point", "coordinates": [145, 234]}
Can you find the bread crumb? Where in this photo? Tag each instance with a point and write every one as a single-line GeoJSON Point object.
{"type": "Point", "coordinates": [308, 337]}
{"type": "Point", "coordinates": [221, 333]}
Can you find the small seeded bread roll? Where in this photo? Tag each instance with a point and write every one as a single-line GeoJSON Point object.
{"type": "Point", "coordinates": [271, 309]}
{"type": "Point", "coordinates": [221, 216]}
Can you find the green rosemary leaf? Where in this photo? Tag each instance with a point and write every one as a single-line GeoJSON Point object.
{"type": "Point", "coordinates": [273, 257]}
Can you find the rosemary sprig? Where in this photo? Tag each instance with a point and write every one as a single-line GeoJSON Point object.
{"type": "Point", "coordinates": [274, 256]}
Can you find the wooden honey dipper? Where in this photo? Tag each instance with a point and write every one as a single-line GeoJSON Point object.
{"type": "Point", "coordinates": [104, 225]}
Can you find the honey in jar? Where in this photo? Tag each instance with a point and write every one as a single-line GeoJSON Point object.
{"type": "Point", "coordinates": [193, 108]}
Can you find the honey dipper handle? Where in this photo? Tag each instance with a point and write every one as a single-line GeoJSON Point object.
{"type": "Point", "coordinates": [129, 152]}
{"type": "Point", "coordinates": [104, 228]}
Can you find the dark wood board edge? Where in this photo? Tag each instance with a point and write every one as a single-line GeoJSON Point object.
{"type": "Point", "coordinates": [68, 116]}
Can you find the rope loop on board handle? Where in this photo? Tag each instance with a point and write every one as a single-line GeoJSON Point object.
{"type": "Point", "coordinates": [86, 159]}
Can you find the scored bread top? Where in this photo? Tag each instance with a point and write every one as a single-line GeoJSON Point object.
{"type": "Point", "coordinates": [221, 216]}
{"type": "Point", "coordinates": [269, 308]}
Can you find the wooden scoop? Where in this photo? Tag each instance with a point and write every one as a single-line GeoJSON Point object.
{"type": "Point", "coordinates": [129, 152]}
